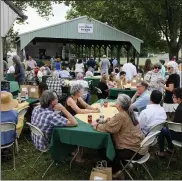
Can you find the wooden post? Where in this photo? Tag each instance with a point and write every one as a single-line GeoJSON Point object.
{"type": "Point", "coordinates": [89, 51]}
{"type": "Point", "coordinates": [82, 51]}
{"type": "Point", "coordinates": [99, 51]}
{"type": "Point", "coordinates": [134, 54]}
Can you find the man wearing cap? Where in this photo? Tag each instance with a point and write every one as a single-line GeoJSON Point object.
{"type": "Point", "coordinates": [8, 115]}
{"type": "Point", "coordinates": [104, 65]}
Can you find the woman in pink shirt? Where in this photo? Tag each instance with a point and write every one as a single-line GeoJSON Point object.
{"type": "Point", "coordinates": [112, 83]}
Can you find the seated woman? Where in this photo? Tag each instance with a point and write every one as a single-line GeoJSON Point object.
{"type": "Point", "coordinates": [112, 82]}
{"type": "Point", "coordinates": [126, 133]}
{"type": "Point", "coordinates": [177, 98]}
{"type": "Point", "coordinates": [89, 72]}
{"type": "Point", "coordinates": [75, 104]}
{"type": "Point", "coordinates": [8, 115]}
{"type": "Point", "coordinates": [103, 86]}
{"type": "Point", "coordinates": [122, 80]}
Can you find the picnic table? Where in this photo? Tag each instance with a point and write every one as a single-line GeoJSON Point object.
{"type": "Point", "coordinates": [113, 92]}
{"type": "Point", "coordinates": [96, 73]}
{"type": "Point", "coordinates": [65, 139]}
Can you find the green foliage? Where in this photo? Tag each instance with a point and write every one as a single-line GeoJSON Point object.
{"type": "Point", "coordinates": [150, 20]}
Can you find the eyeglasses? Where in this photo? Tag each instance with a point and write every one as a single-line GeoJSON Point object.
{"type": "Point", "coordinates": [157, 68]}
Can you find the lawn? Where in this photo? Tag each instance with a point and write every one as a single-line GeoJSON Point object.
{"type": "Point", "coordinates": [28, 154]}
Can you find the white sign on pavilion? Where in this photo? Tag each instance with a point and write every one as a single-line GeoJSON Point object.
{"type": "Point", "coordinates": [85, 28]}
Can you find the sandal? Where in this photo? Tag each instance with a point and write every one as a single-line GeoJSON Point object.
{"type": "Point", "coordinates": [159, 155]}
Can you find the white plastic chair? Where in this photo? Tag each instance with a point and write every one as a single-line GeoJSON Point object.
{"type": "Point", "coordinates": [177, 127]}
{"type": "Point", "coordinates": [5, 127]}
{"type": "Point", "coordinates": [98, 90]}
{"type": "Point", "coordinates": [145, 143]}
{"type": "Point", "coordinates": [35, 130]}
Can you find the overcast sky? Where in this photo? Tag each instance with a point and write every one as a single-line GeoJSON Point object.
{"type": "Point", "coordinates": [35, 21]}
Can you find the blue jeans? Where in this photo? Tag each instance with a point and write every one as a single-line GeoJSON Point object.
{"type": "Point", "coordinates": [169, 136]}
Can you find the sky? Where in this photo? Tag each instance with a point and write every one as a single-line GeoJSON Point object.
{"type": "Point", "coordinates": [35, 21]}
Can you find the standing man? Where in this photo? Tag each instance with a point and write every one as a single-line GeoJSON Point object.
{"type": "Point", "coordinates": [115, 63]}
{"type": "Point", "coordinates": [104, 65]}
{"type": "Point", "coordinates": [19, 70]}
{"type": "Point", "coordinates": [53, 60]}
{"type": "Point", "coordinates": [32, 63]}
{"type": "Point", "coordinates": [91, 63]}
{"type": "Point", "coordinates": [130, 70]}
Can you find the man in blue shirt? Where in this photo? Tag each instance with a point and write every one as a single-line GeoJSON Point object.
{"type": "Point", "coordinates": [91, 63]}
{"type": "Point", "coordinates": [8, 115]}
{"type": "Point", "coordinates": [143, 95]}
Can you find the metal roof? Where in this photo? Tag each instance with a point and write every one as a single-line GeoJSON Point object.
{"type": "Point", "coordinates": [69, 30]}
{"type": "Point", "coordinates": [16, 10]}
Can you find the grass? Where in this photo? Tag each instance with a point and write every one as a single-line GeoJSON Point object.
{"type": "Point", "coordinates": [28, 154]}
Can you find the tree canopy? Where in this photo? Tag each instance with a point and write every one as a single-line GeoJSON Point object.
{"type": "Point", "coordinates": [150, 20]}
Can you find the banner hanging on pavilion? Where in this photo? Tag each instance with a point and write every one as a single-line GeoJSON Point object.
{"type": "Point", "coordinates": [85, 28]}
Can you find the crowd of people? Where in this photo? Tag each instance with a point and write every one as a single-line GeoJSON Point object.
{"type": "Point", "coordinates": [158, 98]}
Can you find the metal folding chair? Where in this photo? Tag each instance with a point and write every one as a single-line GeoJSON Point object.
{"type": "Point", "coordinates": [35, 130]}
{"type": "Point", "coordinates": [145, 143]}
{"type": "Point", "coordinates": [156, 128]}
{"type": "Point", "coordinates": [177, 127]}
{"type": "Point", "coordinates": [5, 127]}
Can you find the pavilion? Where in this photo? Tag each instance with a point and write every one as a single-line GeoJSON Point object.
{"type": "Point", "coordinates": [83, 36]}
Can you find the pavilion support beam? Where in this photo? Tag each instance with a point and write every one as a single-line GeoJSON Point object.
{"type": "Point", "coordinates": [118, 53]}
{"type": "Point", "coordinates": [100, 51]}
{"type": "Point", "coordinates": [78, 51]}
{"type": "Point", "coordinates": [82, 51]}
{"type": "Point", "coordinates": [134, 54]}
{"type": "Point", "coordinates": [95, 51]}
{"type": "Point", "coordinates": [128, 47]}
{"type": "Point", "coordinates": [111, 48]}
{"type": "Point", "coordinates": [89, 51]}
{"type": "Point", "coordinates": [138, 56]}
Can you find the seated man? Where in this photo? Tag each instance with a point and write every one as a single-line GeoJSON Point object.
{"type": "Point", "coordinates": [171, 135]}
{"type": "Point", "coordinates": [8, 115]}
{"type": "Point", "coordinates": [55, 83]}
{"type": "Point", "coordinates": [64, 73]}
{"type": "Point", "coordinates": [46, 117]}
{"type": "Point", "coordinates": [154, 114]}
{"type": "Point", "coordinates": [143, 95]}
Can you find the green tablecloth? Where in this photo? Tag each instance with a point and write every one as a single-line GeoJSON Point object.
{"type": "Point", "coordinates": [95, 80]}
{"type": "Point", "coordinates": [32, 100]}
{"type": "Point", "coordinates": [64, 140]}
{"type": "Point", "coordinates": [14, 87]}
{"type": "Point", "coordinates": [10, 77]}
{"type": "Point", "coordinates": [113, 92]}
{"type": "Point", "coordinates": [96, 73]}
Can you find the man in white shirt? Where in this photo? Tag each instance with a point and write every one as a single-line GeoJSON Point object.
{"type": "Point", "coordinates": [153, 114]}
{"type": "Point", "coordinates": [130, 70]}
{"type": "Point", "coordinates": [104, 65]}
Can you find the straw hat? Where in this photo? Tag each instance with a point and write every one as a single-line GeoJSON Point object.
{"type": "Point", "coordinates": [7, 101]}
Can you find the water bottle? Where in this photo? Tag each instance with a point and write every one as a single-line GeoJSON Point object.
{"type": "Point", "coordinates": [102, 105]}
{"type": "Point", "coordinates": [26, 95]}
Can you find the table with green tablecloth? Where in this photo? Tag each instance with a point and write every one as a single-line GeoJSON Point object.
{"type": "Point", "coordinates": [10, 77]}
{"type": "Point", "coordinates": [65, 139]}
{"type": "Point", "coordinates": [113, 92]}
{"type": "Point", "coordinates": [14, 87]}
{"type": "Point", "coordinates": [96, 73]}
{"type": "Point", "coordinates": [95, 80]}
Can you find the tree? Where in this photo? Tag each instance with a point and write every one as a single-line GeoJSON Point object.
{"type": "Point", "coordinates": [150, 20]}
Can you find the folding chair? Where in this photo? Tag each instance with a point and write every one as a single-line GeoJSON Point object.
{"type": "Point", "coordinates": [35, 130]}
{"type": "Point", "coordinates": [156, 128]}
{"type": "Point", "coordinates": [90, 84]}
{"type": "Point", "coordinates": [177, 127]}
{"type": "Point", "coordinates": [5, 127]}
{"type": "Point", "coordinates": [145, 143]}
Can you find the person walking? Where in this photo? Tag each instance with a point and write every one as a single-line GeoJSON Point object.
{"type": "Point", "coordinates": [104, 65]}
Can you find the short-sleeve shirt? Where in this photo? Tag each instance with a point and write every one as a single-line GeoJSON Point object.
{"type": "Point", "coordinates": [45, 119]}
{"type": "Point", "coordinates": [91, 63]}
{"type": "Point", "coordinates": [130, 70]}
{"type": "Point", "coordinates": [142, 102]}
{"type": "Point", "coordinates": [8, 116]}
{"type": "Point", "coordinates": [173, 79]}
{"type": "Point", "coordinates": [19, 69]}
